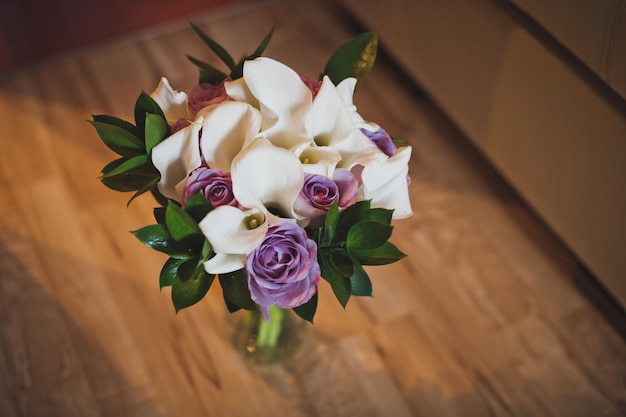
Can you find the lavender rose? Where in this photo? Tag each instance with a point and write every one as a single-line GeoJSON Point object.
{"type": "Point", "coordinates": [283, 270]}
{"type": "Point", "coordinates": [313, 85]}
{"type": "Point", "coordinates": [205, 94]}
{"type": "Point", "coordinates": [319, 193]}
{"type": "Point", "coordinates": [381, 139]}
{"type": "Point", "coordinates": [216, 186]}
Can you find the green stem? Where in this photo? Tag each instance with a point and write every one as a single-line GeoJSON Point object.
{"type": "Point", "coordinates": [269, 331]}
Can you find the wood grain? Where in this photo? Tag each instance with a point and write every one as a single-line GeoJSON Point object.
{"type": "Point", "coordinates": [481, 319]}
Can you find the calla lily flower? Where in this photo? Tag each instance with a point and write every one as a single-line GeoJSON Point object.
{"type": "Point", "coordinates": [173, 103]}
{"type": "Point", "coordinates": [175, 157]}
{"type": "Point", "coordinates": [233, 233]}
{"type": "Point", "coordinates": [267, 180]}
{"type": "Point", "coordinates": [267, 177]}
{"type": "Point", "coordinates": [385, 183]}
{"type": "Point", "coordinates": [214, 138]}
{"type": "Point", "coordinates": [226, 129]}
{"type": "Point", "coordinates": [330, 124]}
{"type": "Point", "coordinates": [283, 99]}
{"type": "Point", "coordinates": [320, 160]}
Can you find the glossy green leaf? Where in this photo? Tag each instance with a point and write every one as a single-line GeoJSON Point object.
{"type": "Point", "coordinates": [189, 292]}
{"type": "Point", "coordinates": [197, 206]}
{"type": "Point", "coordinates": [179, 223]}
{"type": "Point", "coordinates": [385, 254]}
{"type": "Point", "coordinates": [155, 131]}
{"type": "Point", "coordinates": [169, 272]}
{"type": "Point", "coordinates": [127, 165]}
{"type": "Point", "coordinates": [146, 105]}
{"type": "Point", "coordinates": [119, 140]}
{"type": "Point", "coordinates": [308, 309]}
{"type": "Point", "coordinates": [156, 237]}
{"type": "Point", "coordinates": [355, 58]}
{"type": "Point", "coordinates": [367, 235]}
{"type": "Point", "coordinates": [148, 187]}
{"type": "Point", "coordinates": [209, 74]}
{"type": "Point", "coordinates": [360, 283]}
{"type": "Point", "coordinates": [235, 288]}
{"type": "Point", "coordinates": [338, 281]}
{"type": "Point", "coordinates": [116, 121]}
{"type": "Point", "coordinates": [190, 268]}
{"type": "Point", "coordinates": [330, 224]}
{"type": "Point", "coordinates": [215, 47]}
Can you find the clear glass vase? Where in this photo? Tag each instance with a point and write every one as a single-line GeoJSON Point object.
{"type": "Point", "coordinates": [263, 342]}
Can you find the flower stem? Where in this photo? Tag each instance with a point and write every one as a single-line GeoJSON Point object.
{"type": "Point", "coordinates": [269, 331]}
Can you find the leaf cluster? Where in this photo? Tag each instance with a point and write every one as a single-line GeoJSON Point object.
{"type": "Point", "coordinates": [348, 241]}
{"type": "Point", "coordinates": [133, 170]}
{"type": "Point", "coordinates": [212, 75]}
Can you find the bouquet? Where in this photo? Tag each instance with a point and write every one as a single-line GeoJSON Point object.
{"type": "Point", "coordinates": [267, 181]}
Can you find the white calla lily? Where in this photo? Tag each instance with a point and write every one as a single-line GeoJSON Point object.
{"type": "Point", "coordinates": [346, 92]}
{"type": "Point", "coordinates": [173, 103]}
{"type": "Point", "coordinates": [175, 157]}
{"type": "Point", "coordinates": [227, 128]}
{"type": "Point", "coordinates": [283, 98]}
{"type": "Point", "coordinates": [385, 183]}
{"type": "Point", "coordinates": [320, 160]}
{"type": "Point", "coordinates": [267, 177]}
{"type": "Point", "coordinates": [330, 124]}
{"type": "Point", "coordinates": [233, 233]}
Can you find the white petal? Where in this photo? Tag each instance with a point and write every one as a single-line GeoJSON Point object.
{"type": "Point", "coordinates": [320, 160]}
{"type": "Point", "coordinates": [175, 157]}
{"type": "Point", "coordinates": [238, 90]}
{"type": "Point", "coordinates": [346, 91]}
{"type": "Point", "coordinates": [226, 129]}
{"type": "Point", "coordinates": [284, 100]}
{"type": "Point", "coordinates": [267, 176]}
{"type": "Point", "coordinates": [329, 122]}
{"type": "Point", "coordinates": [223, 263]}
{"type": "Point", "coordinates": [386, 184]}
{"type": "Point", "coordinates": [173, 103]}
{"type": "Point", "coordinates": [232, 231]}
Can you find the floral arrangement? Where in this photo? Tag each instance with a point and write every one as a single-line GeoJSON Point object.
{"type": "Point", "coordinates": [267, 181]}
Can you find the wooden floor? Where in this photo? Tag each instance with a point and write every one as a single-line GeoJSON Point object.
{"type": "Point", "coordinates": [481, 319]}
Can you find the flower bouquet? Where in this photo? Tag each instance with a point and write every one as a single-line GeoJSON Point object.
{"type": "Point", "coordinates": [267, 181]}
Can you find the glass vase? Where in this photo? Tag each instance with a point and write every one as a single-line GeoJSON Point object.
{"type": "Point", "coordinates": [263, 342]}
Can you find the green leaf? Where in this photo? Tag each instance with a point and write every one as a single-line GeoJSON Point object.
{"type": "Point", "coordinates": [156, 130]}
{"type": "Point", "coordinates": [156, 237]}
{"type": "Point", "coordinates": [237, 72]}
{"type": "Point", "coordinates": [367, 235]}
{"type": "Point", "coordinates": [210, 74]}
{"type": "Point", "coordinates": [119, 140]}
{"type": "Point", "coordinates": [179, 224]}
{"type": "Point", "coordinates": [215, 47]}
{"type": "Point", "coordinates": [127, 165]}
{"type": "Point", "coordinates": [159, 214]}
{"type": "Point", "coordinates": [189, 268]}
{"type": "Point", "coordinates": [214, 76]}
{"type": "Point", "coordinates": [189, 292]}
{"type": "Point", "coordinates": [235, 288]}
{"type": "Point", "coordinates": [146, 105]}
{"type": "Point", "coordinates": [169, 272]}
{"type": "Point", "coordinates": [360, 282]}
{"type": "Point", "coordinates": [330, 224]}
{"type": "Point", "coordinates": [338, 281]}
{"type": "Point", "coordinates": [197, 206]}
{"type": "Point", "coordinates": [355, 58]}
{"type": "Point", "coordinates": [385, 254]}
{"type": "Point", "coordinates": [342, 261]}
{"type": "Point", "coordinates": [116, 121]}
{"type": "Point", "coordinates": [308, 309]}
{"type": "Point", "coordinates": [148, 187]}
{"type": "Point", "coordinates": [127, 181]}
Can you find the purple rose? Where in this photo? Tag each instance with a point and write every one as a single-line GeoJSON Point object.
{"type": "Point", "coordinates": [381, 139]}
{"type": "Point", "coordinates": [283, 270]}
{"type": "Point", "coordinates": [216, 186]}
{"type": "Point", "coordinates": [205, 94]}
{"type": "Point", "coordinates": [318, 193]}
